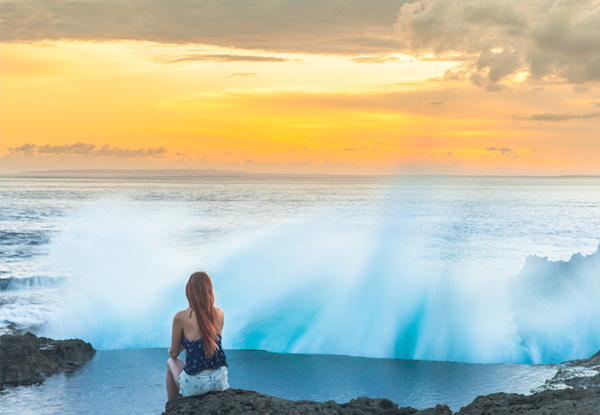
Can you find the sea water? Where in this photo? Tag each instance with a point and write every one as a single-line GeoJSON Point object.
{"type": "Point", "coordinates": [465, 269]}
{"type": "Point", "coordinates": [131, 382]}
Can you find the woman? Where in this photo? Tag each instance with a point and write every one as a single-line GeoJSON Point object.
{"type": "Point", "coordinates": [197, 330]}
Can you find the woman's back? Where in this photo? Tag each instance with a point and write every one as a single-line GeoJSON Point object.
{"type": "Point", "coordinates": [189, 323]}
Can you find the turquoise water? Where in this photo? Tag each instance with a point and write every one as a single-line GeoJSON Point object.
{"type": "Point", "coordinates": [411, 268]}
{"type": "Point", "coordinates": [132, 382]}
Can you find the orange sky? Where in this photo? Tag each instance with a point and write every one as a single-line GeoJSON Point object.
{"type": "Point", "coordinates": [364, 87]}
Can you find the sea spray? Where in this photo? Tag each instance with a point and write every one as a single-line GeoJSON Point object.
{"type": "Point", "coordinates": [312, 284]}
{"type": "Point", "coordinates": [555, 306]}
{"type": "Point", "coordinates": [330, 290]}
{"type": "Point", "coordinates": [126, 275]}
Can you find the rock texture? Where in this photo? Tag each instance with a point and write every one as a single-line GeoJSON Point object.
{"type": "Point", "coordinates": [30, 359]}
{"type": "Point", "coordinates": [574, 401]}
{"type": "Point", "coordinates": [575, 374]}
{"type": "Point", "coordinates": [238, 402]}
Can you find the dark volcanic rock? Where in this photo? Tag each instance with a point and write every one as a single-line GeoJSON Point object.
{"type": "Point", "coordinates": [29, 359]}
{"type": "Point", "coordinates": [238, 402]}
{"type": "Point", "coordinates": [577, 401]}
{"type": "Point", "coordinates": [575, 374]}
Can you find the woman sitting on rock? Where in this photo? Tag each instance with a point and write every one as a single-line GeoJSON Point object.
{"type": "Point", "coordinates": [197, 330]}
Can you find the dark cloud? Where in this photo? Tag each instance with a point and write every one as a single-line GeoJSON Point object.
{"type": "Point", "coordinates": [222, 58]}
{"type": "Point", "coordinates": [557, 117]}
{"type": "Point", "coordinates": [88, 150]}
{"type": "Point", "coordinates": [311, 26]}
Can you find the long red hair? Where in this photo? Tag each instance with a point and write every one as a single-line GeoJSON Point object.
{"type": "Point", "coordinates": [199, 292]}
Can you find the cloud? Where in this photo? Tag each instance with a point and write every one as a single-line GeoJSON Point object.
{"type": "Point", "coordinates": [77, 148]}
{"type": "Point", "coordinates": [550, 39]}
{"type": "Point", "coordinates": [375, 59]}
{"type": "Point", "coordinates": [222, 58]}
{"type": "Point", "coordinates": [86, 150]}
{"type": "Point", "coordinates": [107, 151]}
{"type": "Point", "coordinates": [505, 151]}
{"type": "Point", "coordinates": [334, 26]}
{"type": "Point", "coordinates": [493, 40]}
{"type": "Point", "coordinates": [243, 75]}
{"type": "Point", "coordinates": [557, 117]}
{"type": "Point", "coordinates": [24, 149]}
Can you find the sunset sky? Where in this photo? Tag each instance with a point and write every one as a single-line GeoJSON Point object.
{"type": "Point", "coordinates": [296, 86]}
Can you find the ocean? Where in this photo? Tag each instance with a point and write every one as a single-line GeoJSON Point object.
{"type": "Point", "coordinates": [475, 270]}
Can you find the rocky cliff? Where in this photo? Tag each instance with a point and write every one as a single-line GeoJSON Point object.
{"type": "Point", "coordinates": [30, 359]}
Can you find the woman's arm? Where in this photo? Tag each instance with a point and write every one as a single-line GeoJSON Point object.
{"type": "Point", "coordinates": [176, 346]}
{"type": "Point", "coordinates": [220, 319]}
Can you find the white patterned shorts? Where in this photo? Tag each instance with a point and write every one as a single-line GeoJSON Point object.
{"type": "Point", "coordinates": [203, 382]}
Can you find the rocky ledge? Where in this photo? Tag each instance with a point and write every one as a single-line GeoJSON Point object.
{"type": "Point", "coordinates": [578, 401]}
{"type": "Point", "coordinates": [30, 359]}
{"type": "Point", "coordinates": [574, 390]}
{"type": "Point", "coordinates": [238, 402]}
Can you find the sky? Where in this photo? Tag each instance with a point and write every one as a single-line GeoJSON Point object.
{"type": "Point", "coordinates": [458, 87]}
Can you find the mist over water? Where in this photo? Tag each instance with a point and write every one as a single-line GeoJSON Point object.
{"type": "Point", "coordinates": [315, 285]}
{"type": "Point", "coordinates": [428, 270]}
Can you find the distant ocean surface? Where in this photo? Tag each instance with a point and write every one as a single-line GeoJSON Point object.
{"type": "Point", "coordinates": [423, 268]}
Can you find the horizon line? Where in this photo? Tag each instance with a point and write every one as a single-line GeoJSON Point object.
{"type": "Point", "coordinates": [227, 172]}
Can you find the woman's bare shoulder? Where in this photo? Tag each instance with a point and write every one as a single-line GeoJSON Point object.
{"type": "Point", "coordinates": [181, 314]}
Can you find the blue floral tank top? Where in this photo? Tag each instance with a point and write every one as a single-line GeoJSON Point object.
{"type": "Point", "coordinates": [196, 361]}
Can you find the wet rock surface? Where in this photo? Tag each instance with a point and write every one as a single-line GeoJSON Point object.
{"type": "Point", "coordinates": [27, 359]}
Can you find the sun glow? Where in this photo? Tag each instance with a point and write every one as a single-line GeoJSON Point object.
{"type": "Point", "coordinates": [323, 98]}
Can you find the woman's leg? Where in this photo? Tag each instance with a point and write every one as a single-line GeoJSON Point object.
{"type": "Point", "coordinates": [174, 368]}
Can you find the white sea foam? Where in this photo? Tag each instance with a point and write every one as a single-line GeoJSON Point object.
{"type": "Point", "coordinates": [314, 286]}
{"type": "Point", "coordinates": [408, 268]}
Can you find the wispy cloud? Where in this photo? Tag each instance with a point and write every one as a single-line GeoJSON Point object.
{"type": "Point", "coordinates": [222, 58]}
{"type": "Point", "coordinates": [375, 59]}
{"type": "Point", "coordinates": [505, 151]}
{"type": "Point", "coordinates": [334, 26]}
{"type": "Point", "coordinates": [243, 75]}
{"type": "Point", "coordinates": [557, 117]}
{"type": "Point", "coordinates": [77, 148]}
{"type": "Point", "coordinates": [87, 150]}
